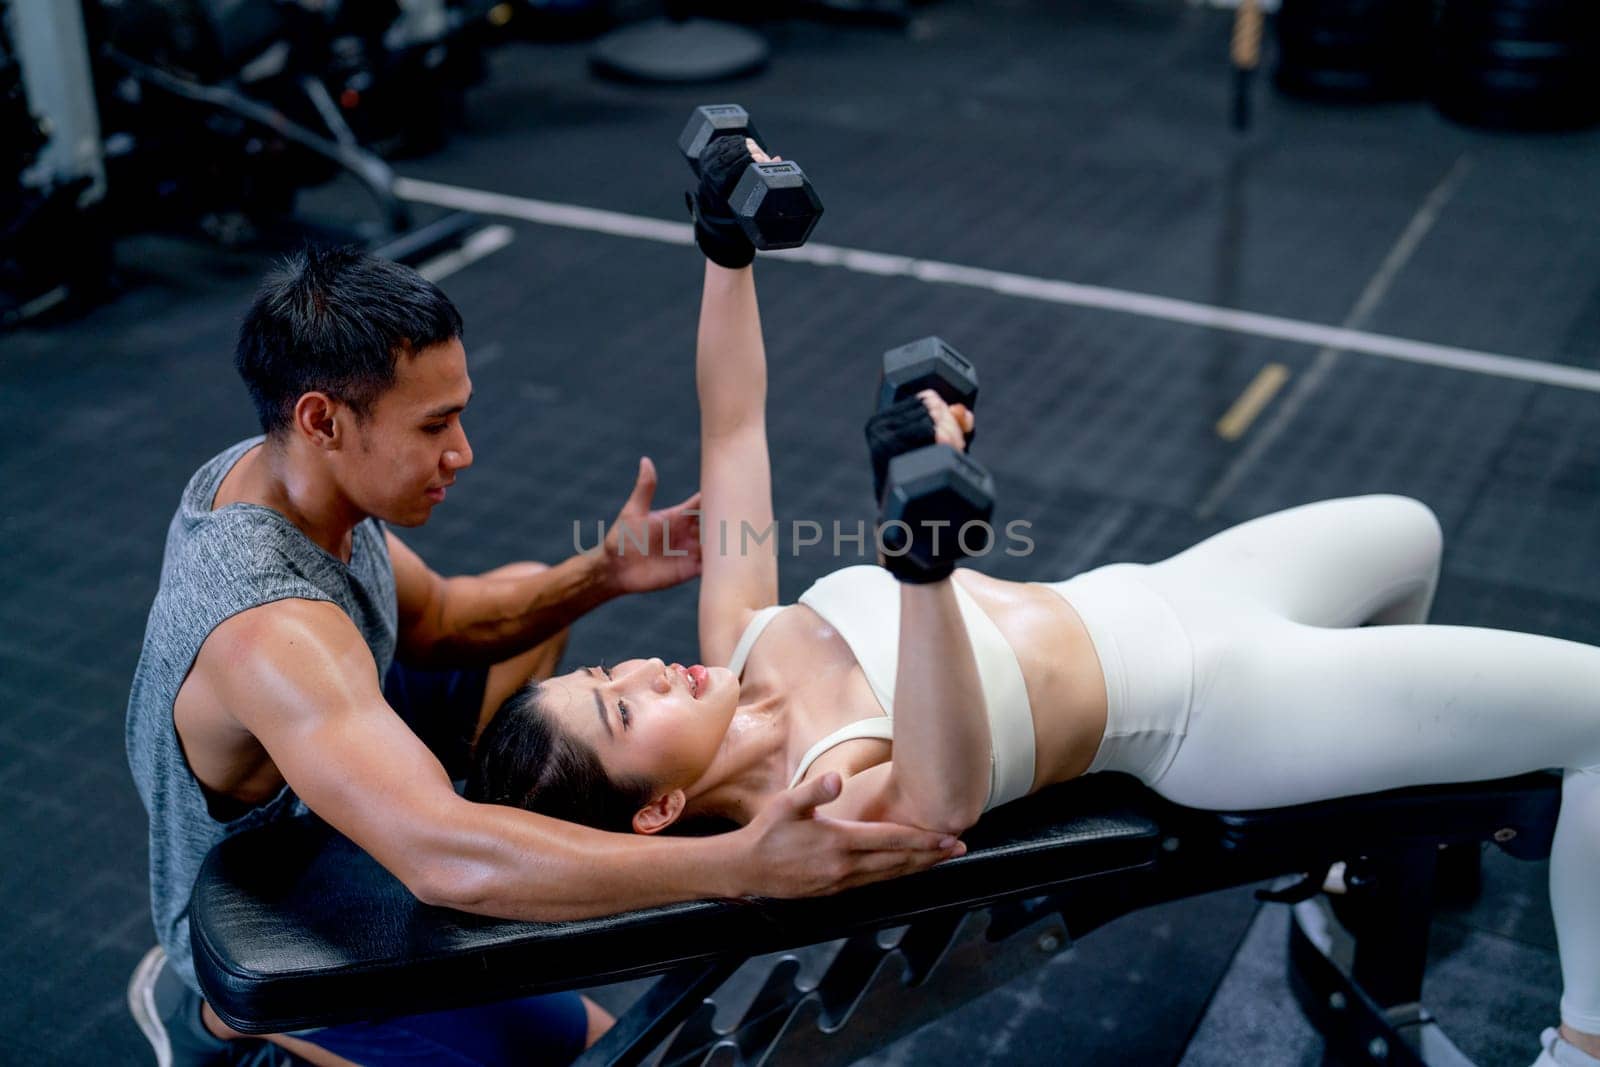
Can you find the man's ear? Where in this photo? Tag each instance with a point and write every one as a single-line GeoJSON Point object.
{"type": "Point", "coordinates": [318, 417]}
{"type": "Point", "coordinates": [660, 813]}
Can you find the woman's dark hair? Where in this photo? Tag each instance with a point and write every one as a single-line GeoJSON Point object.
{"type": "Point", "coordinates": [335, 320]}
{"type": "Point", "coordinates": [525, 760]}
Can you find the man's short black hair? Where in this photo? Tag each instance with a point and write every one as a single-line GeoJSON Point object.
{"type": "Point", "coordinates": [335, 321]}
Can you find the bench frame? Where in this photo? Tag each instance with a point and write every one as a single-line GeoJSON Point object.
{"type": "Point", "coordinates": [278, 945]}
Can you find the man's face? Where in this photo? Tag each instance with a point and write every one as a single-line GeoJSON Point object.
{"type": "Point", "coordinates": [408, 449]}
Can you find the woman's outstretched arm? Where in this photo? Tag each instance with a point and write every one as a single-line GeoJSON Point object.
{"type": "Point", "coordinates": [739, 570]}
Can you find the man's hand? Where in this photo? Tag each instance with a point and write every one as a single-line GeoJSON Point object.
{"type": "Point", "coordinates": [637, 545]}
{"type": "Point", "coordinates": [792, 851]}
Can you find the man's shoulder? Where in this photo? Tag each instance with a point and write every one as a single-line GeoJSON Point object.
{"type": "Point", "coordinates": [238, 572]}
{"type": "Point", "coordinates": [290, 617]}
{"type": "Point", "coordinates": [233, 558]}
{"type": "Point", "coordinates": [243, 534]}
{"type": "Point", "coordinates": [291, 629]}
{"type": "Point", "coordinates": [201, 532]}
{"type": "Point", "coordinates": [241, 528]}
{"type": "Point", "coordinates": [200, 491]}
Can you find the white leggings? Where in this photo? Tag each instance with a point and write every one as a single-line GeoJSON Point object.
{"type": "Point", "coordinates": [1236, 678]}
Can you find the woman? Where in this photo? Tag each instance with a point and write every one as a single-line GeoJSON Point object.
{"type": "Point", "coordinates": [1234, 675]}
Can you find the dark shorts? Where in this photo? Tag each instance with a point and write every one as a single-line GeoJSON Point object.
{"type": "Point", "coordinates": [533, 1030]}
{"type": "Point", "coordinates": [441, 707]}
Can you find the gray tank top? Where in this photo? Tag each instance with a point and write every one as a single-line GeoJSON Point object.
{"type": "Point", "coordinates": [217, 564]}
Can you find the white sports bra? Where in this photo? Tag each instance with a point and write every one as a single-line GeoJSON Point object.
{"type": "Point", "coordinates": [863, 605]}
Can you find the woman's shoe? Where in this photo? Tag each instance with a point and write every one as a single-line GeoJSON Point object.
{"type": "Point", "coordinates": [1559, 1053]}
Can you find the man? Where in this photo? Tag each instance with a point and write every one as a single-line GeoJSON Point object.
{"type": "Point", "coordinates": [280, 667]}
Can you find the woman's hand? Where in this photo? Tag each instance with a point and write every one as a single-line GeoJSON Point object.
{"type": "Point", "coordinates": [951, 422]}
{"type": "Point", "coordinates": [789, 850]}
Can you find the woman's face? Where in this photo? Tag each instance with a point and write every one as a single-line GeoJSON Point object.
{"type": "Point", "coordinates": [647, 719]}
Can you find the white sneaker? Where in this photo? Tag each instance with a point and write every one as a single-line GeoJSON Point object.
{"type": "Point", "coordinates": [168, 1014]}
{"type": "Point", "coordinates": [1558, 1053]}
{"type": "Point", "coordinates": [142, 1003]}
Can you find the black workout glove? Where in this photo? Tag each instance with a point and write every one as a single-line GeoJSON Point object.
{"type": "Point", "coordinates": [896, 429]}
{"type": "Point", "coordinates": [716, 229]}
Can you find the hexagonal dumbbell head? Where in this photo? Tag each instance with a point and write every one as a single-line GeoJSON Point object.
{"type": "Point", "coordinates": [936, 488]}
{"type": "Point", "coordinates": [927, 364]}
{"type": "Point", "coordinates": [713, 121]}
{"type": "Point", "coordinates": [776, 205]}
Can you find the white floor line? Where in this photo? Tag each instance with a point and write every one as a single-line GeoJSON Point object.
{"type": "Point", "coordinates": [1050, 290]}
{"type": "Point", "coordinates": [486, 242]}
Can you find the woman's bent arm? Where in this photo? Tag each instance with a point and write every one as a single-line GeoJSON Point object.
{"type": "Point", "coordinates": [940, 776]}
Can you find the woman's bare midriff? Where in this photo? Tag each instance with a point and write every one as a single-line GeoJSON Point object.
{"type": "Point", "coordinates": [1066, 687]}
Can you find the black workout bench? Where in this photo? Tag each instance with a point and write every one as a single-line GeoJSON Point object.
{"type": "Point", "coordinates": [293, 926]}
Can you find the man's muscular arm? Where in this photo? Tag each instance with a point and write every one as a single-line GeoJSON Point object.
{"type": "Point", "coordinates": [483, 619]}
{"type": "Point", "coordinates": [298, 676]}
{"type": "Point", "coordinates": [475, 620]}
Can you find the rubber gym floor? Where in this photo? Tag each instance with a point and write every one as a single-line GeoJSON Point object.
{"type": "Point", "coordinates": [1076, 142]}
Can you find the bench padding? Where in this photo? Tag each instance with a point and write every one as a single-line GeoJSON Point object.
{"type": "Point", "coordinates": [293, 926]}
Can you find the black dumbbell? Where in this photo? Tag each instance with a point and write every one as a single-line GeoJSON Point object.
{"type": "Point", "coordinates": [928, 364]}
{"type": "Point", "coordinates": [774, 202]}
{"type": "Point", "coordinates": [931, 498]}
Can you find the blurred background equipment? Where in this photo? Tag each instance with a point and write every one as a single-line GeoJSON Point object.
{"type": "Point", "coordinates": [399, 69]}
{"type": "Point", "coordinates": [694, 42]}
{"type": "Point", "coordinates": [679, 49]}
{"type": "Point", "coordinates": [1245, 53]}
{"type": "Point", "coordinates": [1506, 64]}
{"type": "Point", "coordinates": [221, 110]}
{"type": "Point", "coordinates": [1353, 50]}
{"type": "Point", "coordinates": [212, 117]}
{"type": "Point", "coordinates": [564, 20]}
{"type": "Point", "coordinates": [1518, 64]}
{"type": "Point", "coordinates": [52, 249]}
{"type": "Point", "coordinates": [123, 116]}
